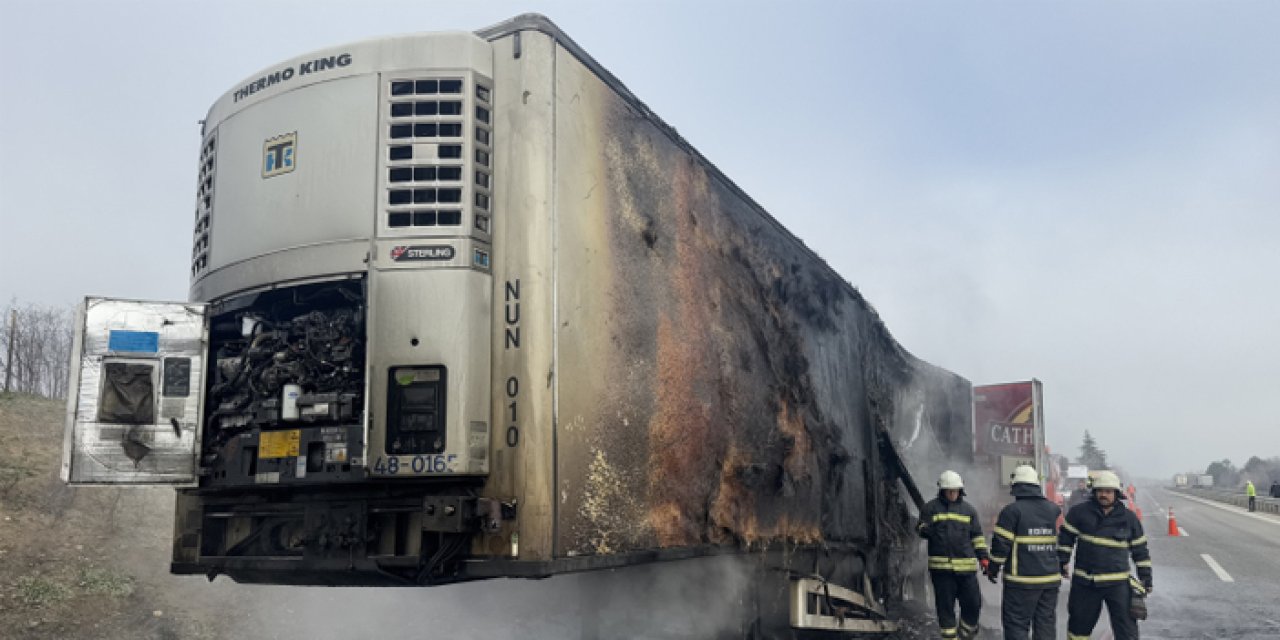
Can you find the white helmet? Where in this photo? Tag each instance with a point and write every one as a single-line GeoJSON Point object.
{"type": "Point", "coordinates": [950, 480]}
{"type": "Point", "coordinates": [1025, 474]}
{"type": "Point", "coordinates": [1106, 480]}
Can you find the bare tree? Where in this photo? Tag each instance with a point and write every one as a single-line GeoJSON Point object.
{"type": "Point", "coordinates": [39, 360]}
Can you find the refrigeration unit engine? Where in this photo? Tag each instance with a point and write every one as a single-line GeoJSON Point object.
{"type": "Point", "coordinates": [462, 307]}
{"type": "Point", "coordinates": [303, 369]}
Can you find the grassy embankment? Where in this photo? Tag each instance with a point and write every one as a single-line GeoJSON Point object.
{"type": "Point", "coordinates": [87, 562]}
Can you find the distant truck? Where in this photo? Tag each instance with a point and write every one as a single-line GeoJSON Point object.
{"type": "Point", "coordinates": [1181, 481]}
{"type": "Point", "coordinates": [463, 307]}
{"type": "Point", "coordinates": [1008, 431]}
{"type": "Point", "coordinates": [1203, 480]}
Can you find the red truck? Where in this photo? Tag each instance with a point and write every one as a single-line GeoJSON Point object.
{"type": "Point", "coordinates": [1008, 430]}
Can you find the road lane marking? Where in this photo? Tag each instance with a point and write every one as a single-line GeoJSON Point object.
{"type": "Point", "coordinates": [1232, 509]}
{"type": "Point", "coordinates": [1217, 568]}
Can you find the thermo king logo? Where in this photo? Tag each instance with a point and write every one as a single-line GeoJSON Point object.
{"type": "Point", "coordinates": [278, 155]}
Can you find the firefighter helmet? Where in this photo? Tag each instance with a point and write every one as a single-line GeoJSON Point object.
{"type": "Point", "coordinates": [950, 480]}
{"type": "Point", "coordinates": [1025, 474]}
{"type": "Point", "coordinates": [1106, 480]}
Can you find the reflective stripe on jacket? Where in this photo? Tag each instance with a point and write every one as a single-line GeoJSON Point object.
{"type": "Point", "coordinates": [1025, 540]}
{"type": "Point", "coordinates": [954, 534]}
{"type": "Point", "coordinates": [1103, 543]}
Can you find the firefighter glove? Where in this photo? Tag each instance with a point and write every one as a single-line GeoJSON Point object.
{"type": "Point", "coordinates": [1138, 607]}
{"type": "Point", "coordinates": [1065, 572]}
{"type": "Point", "coordinates": [1146, 584]}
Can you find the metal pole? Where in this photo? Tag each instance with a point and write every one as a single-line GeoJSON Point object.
{"type": "Point", "coordinates": [1037, 429]}
{"type": "Point", "coordinates": [8, 359]}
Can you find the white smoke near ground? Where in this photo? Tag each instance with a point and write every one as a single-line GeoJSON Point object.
{"type": "Point", "coordinates": [927, 456]}
{"type": "Point", "coordinates": [697, 598]}
{"type": "Point", "coordinates": [130, 531]}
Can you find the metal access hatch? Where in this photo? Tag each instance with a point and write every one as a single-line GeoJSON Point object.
{"type": "Point", "coordinates": [135, 397]}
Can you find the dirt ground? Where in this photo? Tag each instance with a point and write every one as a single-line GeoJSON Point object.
{"type": "Point", "coordinates": [87, 562]}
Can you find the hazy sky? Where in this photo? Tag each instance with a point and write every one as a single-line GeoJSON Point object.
{"type": "Point", "coordinates": [1086, 193]}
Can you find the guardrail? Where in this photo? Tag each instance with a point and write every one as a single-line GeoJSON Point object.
{"type": "Point", "coordinates": [1264, 504]}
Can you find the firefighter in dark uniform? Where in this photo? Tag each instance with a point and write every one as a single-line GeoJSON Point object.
{"type": "Point", "coordinates": [1104, 535]}
{"type": "Point", "coordinates": [956, 548]}
{"type": "Point", "coordinates": [1025, 543]}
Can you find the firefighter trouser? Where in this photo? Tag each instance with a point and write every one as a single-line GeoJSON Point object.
{"type": "Point", "coordinates": [1084, 606]}
{"type": "Point", "coordinates": [948, 587]}
{"type": "Point", "coordinates": [1033, 609]}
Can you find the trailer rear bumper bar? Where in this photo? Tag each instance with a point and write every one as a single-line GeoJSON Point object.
{"type": "Point", "coordinates": [821, 606]}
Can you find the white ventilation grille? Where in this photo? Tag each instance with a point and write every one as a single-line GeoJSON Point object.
{"type": "Point", "coordinates": [484, 158]}
{"type": "Point", "coordinates": [425, 153]}
{"type": "Point", "coordinates": [204, 207]}
{"type": "Point", "coordinates": [435, 173]}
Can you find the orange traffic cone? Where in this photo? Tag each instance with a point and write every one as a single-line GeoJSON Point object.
{"type": "Point", "coordinates": [1173, 523]}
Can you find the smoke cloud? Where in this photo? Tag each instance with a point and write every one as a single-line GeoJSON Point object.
{"type": "Point", "coordinates": [699, 598]}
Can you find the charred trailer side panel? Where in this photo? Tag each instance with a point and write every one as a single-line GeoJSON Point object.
{"type": "Point", "coordinates": [675, 373]}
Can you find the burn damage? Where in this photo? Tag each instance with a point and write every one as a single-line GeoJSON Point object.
{"type": "Point", "coordinates": [729, 386]}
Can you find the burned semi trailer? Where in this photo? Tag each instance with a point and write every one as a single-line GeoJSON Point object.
{"type": "Point", "coordinates": [462, 307]}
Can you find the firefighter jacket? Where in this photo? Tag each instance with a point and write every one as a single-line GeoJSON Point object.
{"type": "Point", "coordinates": [1104, 543]}
{"type": "Point", "coordinates": [1025, 540]}
{"type": "Point", "coordinates": [954, 534]}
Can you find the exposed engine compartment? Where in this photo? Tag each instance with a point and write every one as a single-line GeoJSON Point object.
{"type": "Point", "coordinates": [285, 396]}
{"type": "Point", "coordinates": [284, 496]}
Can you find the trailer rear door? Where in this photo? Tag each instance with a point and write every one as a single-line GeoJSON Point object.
{"type": "Point", "coordinates": [135, 397]}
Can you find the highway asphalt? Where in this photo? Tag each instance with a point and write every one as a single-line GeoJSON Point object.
{"type": "Point", "coordinates": [1220, 578]}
